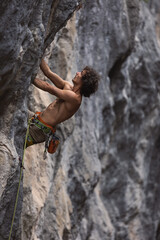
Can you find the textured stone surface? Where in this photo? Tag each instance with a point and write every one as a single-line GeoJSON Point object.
{"type": "Point", "coordinates": [103, 183]}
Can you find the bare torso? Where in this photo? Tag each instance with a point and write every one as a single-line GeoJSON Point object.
{"type": "Point", "coordinates": [59, 110]}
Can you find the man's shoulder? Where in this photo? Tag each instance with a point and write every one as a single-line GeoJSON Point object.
{"type": "Point", "coordinates": [68, 86]}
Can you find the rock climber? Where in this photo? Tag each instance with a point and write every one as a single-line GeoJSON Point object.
{"type": "Point", "coordinates": [69, 98]}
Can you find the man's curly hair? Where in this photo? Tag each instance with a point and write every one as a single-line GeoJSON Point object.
{"type": "Point", "coordinates": [90, 82]}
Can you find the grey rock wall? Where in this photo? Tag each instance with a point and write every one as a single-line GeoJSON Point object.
{"type": "Point", "coordinates": [103, 182]}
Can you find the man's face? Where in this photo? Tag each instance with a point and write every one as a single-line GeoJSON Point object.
{"type": "Point", "coordinates": [78, 77]}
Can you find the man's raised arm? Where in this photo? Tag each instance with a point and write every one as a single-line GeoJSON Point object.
{"type": "Point", "coordinates": [58, 81]}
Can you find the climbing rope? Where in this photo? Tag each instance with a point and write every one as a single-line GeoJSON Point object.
{"type": "Point", "coordinates": [21, 166]}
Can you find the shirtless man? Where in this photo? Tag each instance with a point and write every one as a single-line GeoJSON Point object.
{"type": "Point", "coordinates": [69, 98]}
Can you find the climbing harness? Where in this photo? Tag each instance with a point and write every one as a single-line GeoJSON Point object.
{"type": "Point", "coordinates": [21, 163]}
{"type": "Point", "coordinates": [52, 140]}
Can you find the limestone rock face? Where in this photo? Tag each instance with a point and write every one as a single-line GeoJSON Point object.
{"type": "Point", "coordinates": [103, 182]}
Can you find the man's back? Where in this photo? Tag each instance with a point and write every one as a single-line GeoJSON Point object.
{"type": "Point", "coordinates": [60, 110]}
